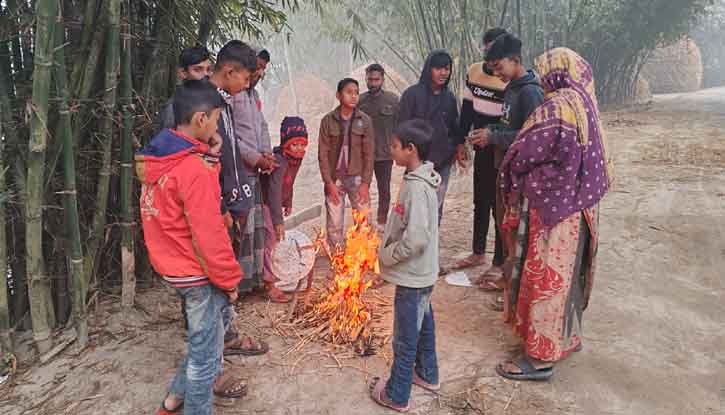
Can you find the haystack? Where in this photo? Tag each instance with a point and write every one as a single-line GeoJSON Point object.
{"type": "Point", "coordinates": [394, 82]}
{"type": "Point", "coordinates": [314, 97]}
{"type": "Point", "coordinates": [675, 68]}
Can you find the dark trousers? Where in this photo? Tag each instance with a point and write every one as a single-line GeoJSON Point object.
{"type": "Point", "coordinates": [484, 203]}
{"type": "Point", "coordinates": [383, 173]}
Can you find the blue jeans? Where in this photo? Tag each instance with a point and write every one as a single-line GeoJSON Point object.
{"type": "Point", "coordinates": [208, 313]}
{"type": "Point", "coordinates": [445, 172]}
{"type": "Point", "coordinates": [414, 342]}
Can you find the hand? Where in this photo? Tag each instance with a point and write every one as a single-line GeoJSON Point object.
{"type": "Point", "coordinates": [215, 145]}
{"type": "Point", "coordinates": [363, 194]}
{"type": "Point", "coordinates": [279, 231]}
{"type": "Point", "coordinates": [332, 194]}
{"type": "Point", "coordinates": [287, 211]}
{"type": "Point", "coordinates": [232, 295]}
{"type": "Point", "coordinates": [462, 156]}
{"type": "Point", "coordinates": [480, 137]}
{"type": "Point", "coordinates": [228, 220]}
{"type": "Point", "coordinates": [267, 163]}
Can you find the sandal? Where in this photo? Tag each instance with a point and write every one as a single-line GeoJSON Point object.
{"type": "Point", "coordinates": [430, 387]}
{"type": "Point", "coordinates": [528, 371]}
{"type": "Point", "coordinates": [236, 347]}
{"type": "Point", "coordinates": [472, 260]}
{"type": "Point", "coordinates": [277, 296]}
{"type": "Point", "coordinates": [494, 272]}
{"type": "Point", "coordinates": [377, 393]}
{"type": "Point", "coordinates": [491, 286]}
{"type": "Point", "coordinates": [163, 411]}
{"type": "Point", "coordinates": [228, 386]}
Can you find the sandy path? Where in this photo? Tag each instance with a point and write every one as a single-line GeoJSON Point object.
{"type": "Point", "coordinates": [654, 335]}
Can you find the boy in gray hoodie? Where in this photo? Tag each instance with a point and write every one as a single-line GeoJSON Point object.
{"type": "Point", "coordinates": [409, 259]}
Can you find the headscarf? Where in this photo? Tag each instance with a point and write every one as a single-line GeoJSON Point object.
{"type": "Point", "coordinates": [559, 159]}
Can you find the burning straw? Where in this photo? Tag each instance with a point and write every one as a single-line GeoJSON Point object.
{"type": "Point", "coordinates": [341, 314]}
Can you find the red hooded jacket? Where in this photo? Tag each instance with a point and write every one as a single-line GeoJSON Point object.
{"type": "Point", "coordinates": [183, 228]}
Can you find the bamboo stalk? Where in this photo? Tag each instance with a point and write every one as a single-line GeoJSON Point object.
{"type": "Point", "coordinates": [5, 341]}
{"type": "Point", "coordinates": [75, 251]}
{"type": "Point", "coordinates": [41, 306]}
{"type": "Point", "coordinates": [106, 139]}
{"type": "Point", "coordinates": [128, 265]}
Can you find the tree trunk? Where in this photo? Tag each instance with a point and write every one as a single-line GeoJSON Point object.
{"type": "Point", "coordinates": [41, 307]}
{"type": "Point", "coordinates": [128, 266]}
{"type": "Point", "coordinates": [75, 250]}
{"type": "Point", "coordinates": [105, 137]}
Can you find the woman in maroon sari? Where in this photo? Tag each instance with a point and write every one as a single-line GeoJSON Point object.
{"type": "Point", "coordinates": [553, 177]}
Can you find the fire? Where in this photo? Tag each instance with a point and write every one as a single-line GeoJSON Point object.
{"type": "Point", "coordinates": [343, 305]}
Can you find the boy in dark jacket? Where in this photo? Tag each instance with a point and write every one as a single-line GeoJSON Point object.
{"type": "Point", "coordinates": [522, 96]}
{"type": "Point", "coordinates": [277, 191]}
{"type": "Point", "coordinates": [186, 238]}
{"type": "Point", "coordinates": [432, 101]}
{"type": "Point", "coordinates": [409, 259]}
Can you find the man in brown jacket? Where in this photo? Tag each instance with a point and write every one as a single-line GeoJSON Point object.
{"type": "Point", "coordinates": [346, 156]}
{"type": "Point", "coordinates": [382, 107]}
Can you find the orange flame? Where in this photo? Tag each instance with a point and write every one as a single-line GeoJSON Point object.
{"type": "Point", "coordinates": [343, 303]}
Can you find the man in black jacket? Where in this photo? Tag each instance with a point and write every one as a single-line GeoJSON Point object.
{"type": "Point", "coordinates": [431, 100]}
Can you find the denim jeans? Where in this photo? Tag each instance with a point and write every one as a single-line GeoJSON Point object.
{"type": "Point", "coordinates": [445, 172]}
{"type": "Point", "coordinates": [383, 173]}
{"type": "Point", "coordinates": [346, 186]}
{"type": "Point", "coordinates": [414, 342]}
{"type": "Point", "coordinates": [209, 313]}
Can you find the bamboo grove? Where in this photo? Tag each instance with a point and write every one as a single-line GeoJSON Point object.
{"type": "Point", "coordinates": [80, 81]}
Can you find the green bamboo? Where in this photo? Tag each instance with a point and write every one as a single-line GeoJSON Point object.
{"type": "Point", "coordinates": [75, 251]}
{"type": "Point", "coordinates": [41, 307]}
{"type": "Point", "coordinates": [128, 264]}
{"type": "Point", "coordinates": [106, 139]}
{"type": "Point", "coordinates": [5, 342]}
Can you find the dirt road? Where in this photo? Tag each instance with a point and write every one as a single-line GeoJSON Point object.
{"type": "Point", "coordinates": [653, 337]}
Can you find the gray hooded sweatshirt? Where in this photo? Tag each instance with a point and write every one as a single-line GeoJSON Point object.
{"type": "Point", "coordinates": [409, 251]}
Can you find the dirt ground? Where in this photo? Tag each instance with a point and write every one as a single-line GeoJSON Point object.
{"type": "Point", "coordinates": [653, 335]}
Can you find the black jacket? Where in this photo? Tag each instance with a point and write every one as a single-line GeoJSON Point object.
{"type": "Point", "coordinates": [440, 110]}
{"type": "Point", "coordinates": [521, 97]}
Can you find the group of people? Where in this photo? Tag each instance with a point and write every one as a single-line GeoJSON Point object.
{"type": "Point", "coordinates": [540, 168]}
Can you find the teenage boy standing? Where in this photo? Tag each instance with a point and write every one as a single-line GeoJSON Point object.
{"type": "Point", "coordinates": [346, 155]}
{"type": "Point", "coordinates": [432, 101]}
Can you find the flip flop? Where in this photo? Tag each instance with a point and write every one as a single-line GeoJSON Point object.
{"type": "Point", "coordinates": [468, 262]}
{"type": "Point", "coordinates": [528, 371]}
{"type": "Point", "coordinates": [258, 348]}
{"type": "Point", "coordinates": [430, 387]}
{"type": "Point", "coordinates": [377, 393]}
{"type": "Point", "coordinates": [489, 286]}
{"type": "Point", "coordinates": [230, 387]}
{"type": "Point", "coordinates": [163, 411]}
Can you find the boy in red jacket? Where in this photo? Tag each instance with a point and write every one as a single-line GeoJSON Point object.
{"type": "Point", "coordinates": [186, 238]}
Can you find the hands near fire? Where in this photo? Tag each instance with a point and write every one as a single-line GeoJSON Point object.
{"type": "Point", "coordinates": [363, 193]}
{"type": "Point", "coordinates": [332, 193]}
